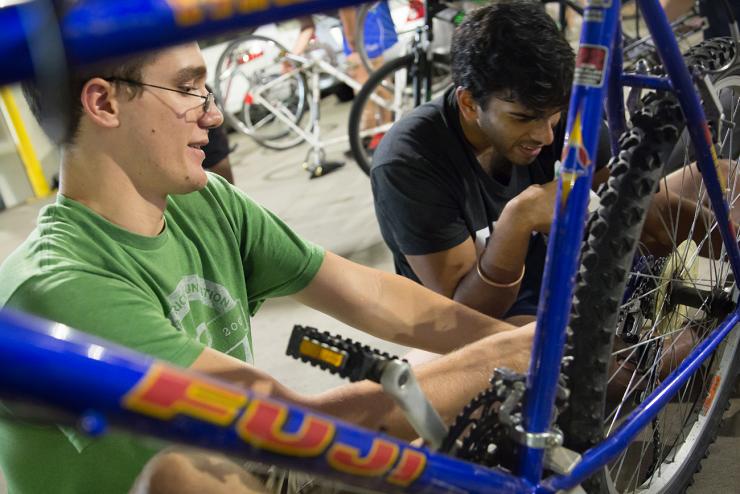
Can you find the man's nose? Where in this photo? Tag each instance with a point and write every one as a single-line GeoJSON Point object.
{"type": "Point", "coordinates": [543, 133]}
{"type": "Point", "coordinates": [212, 118]}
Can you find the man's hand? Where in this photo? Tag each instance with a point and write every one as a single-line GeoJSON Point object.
{"type": "Point", "coordinates": [535, 206]}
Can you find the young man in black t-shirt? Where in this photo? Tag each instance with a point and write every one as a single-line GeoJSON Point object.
{"type": "Point", "coordinates": [464, 185]}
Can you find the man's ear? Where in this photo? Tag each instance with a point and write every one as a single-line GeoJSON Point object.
{"type": "Point", "coordinates": [100, 103]}
{"type": "Point", "coordinates": [466, 103]}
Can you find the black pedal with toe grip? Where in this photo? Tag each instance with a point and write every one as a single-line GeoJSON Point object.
{"type": "Point", "coordinates": [338, 355]}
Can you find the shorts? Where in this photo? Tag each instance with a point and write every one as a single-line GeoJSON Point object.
{"type": "Point", "coordinates": [380, 32]}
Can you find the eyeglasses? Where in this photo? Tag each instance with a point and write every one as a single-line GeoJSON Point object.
{"type": "Point", "coordinates": [209, 98]}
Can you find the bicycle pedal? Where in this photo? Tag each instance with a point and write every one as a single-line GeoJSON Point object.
{"type": "Point", "coordinates": [336, 354]}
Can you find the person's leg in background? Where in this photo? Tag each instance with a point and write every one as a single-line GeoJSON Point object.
{"type": "Point", "coordinates": [379, 35]}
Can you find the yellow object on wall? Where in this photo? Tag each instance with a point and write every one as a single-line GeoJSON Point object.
{"type": "Point", "coordinates": [23, 144]}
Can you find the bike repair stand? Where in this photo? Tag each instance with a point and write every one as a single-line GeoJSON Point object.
{"type": "Point", "coordinates": [317, 166]}
{"type": "Point", "coordinates": [315, 162]}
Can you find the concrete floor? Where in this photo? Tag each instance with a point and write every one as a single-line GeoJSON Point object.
{"type": "Point", "coordinates": [336, 212]}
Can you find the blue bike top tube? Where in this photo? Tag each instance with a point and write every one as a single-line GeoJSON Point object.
{"type": "Point", "coordinates": [103, 383]}
{"type": "Point", "coordinates": [97, 30]}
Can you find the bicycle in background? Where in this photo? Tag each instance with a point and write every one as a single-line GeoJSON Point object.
{"type": "Point", "coordinates": [274, 95]}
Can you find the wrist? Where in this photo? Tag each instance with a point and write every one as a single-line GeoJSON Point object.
{"type": "Point", "coordinates": [499, 282]}
{"type": "Point", "coordinates": [516, 217]}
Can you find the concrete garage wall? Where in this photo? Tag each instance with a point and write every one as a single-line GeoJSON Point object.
{"type": "Point", "coordinates": [14, 185]}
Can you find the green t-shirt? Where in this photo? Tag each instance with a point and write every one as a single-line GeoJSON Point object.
{"type": "Point", "coordinates": [194, 285]}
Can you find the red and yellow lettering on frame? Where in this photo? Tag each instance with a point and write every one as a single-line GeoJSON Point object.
{"type": "Point", "coordinates": [263, 422]}
{"type": "Point", "coordinates": [191, 12]}
{"type": "Point", "coordinates": [379, 459]}
{"type": "Point", "coordinates": [246, 6]}
{"type": "Point", "coordinates": [409, 468]}
{"type": "Point", "coordinates": [164, 392]}
{"type": "Point", "coordinates": [187, 12]}
{"type": "Point", "coordinates": [285, 3]}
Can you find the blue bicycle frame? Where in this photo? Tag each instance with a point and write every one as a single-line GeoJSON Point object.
{"type": "Point", "coordinates": [102, 384]}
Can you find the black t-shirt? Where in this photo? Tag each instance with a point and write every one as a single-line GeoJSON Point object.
{"type": "Point", "coordinates": [217, 148]}
{"type": "Point", "coordinates": [431, 193]}
{"type": "Point", "coordinates": [218, 145]}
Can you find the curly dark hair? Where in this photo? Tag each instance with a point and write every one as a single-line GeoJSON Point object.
{"type": "Point", "coordinates": [513, 47]}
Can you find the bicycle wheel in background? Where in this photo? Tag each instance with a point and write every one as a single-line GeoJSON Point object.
{"type": "Point", "coordinates": [643, 301]}
{"type": "Point", "coordinates": [386, 96]}
{"type": "Point", "coordinates": [253, 67]}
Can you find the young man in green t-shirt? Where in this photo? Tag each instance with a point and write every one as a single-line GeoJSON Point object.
{"type": "Point", "coordinates": [145, 249]}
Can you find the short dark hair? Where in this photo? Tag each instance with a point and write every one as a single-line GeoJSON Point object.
{"type": "Point", "coordinates": [47, 98]}
{"type": "Point", "coordinates": [68, 96]}
{"type": "Point", "coordinates": [515, 47]}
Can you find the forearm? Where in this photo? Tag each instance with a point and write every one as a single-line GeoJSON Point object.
{"type": "Point", "coordinates": [449, 383]}
{"type": "Point", "coordinates": [394, 308]}
{"type": "Point", "coordinates": [502, 261]}
{"type": "Point", "coordinates": [431, 321]}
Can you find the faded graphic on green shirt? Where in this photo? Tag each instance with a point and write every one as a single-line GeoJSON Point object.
{"type": "Point", "coordinates": [194, 285]}
{"type": "Point", "coordinates": [228, 322]}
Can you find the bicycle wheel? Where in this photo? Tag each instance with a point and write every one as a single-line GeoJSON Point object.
{"type": "Point", "coordinates": [386, 96]}
{"type": "Point", "coordinates": [642, 301]}
{"type": "Point", "coordinates": [261, 91]}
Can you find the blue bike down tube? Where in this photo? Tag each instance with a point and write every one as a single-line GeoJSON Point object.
{"type": "Point", "coordinates": [574, 182]}
{"type": "Point", "coordinates": [96, 30]}
{"type": "Point", "coordinates": [96, 383]}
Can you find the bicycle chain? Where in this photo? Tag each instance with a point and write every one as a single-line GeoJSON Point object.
{"type": "Point", "coordinates": [637, 288]}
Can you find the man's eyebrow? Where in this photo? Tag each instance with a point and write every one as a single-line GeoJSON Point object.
{"type": "Point", "coordinates": [190, 73]}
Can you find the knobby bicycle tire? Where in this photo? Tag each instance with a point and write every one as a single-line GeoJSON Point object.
{"type": "Point", "coordinates": [599, 360]}
{"type": "Point", "coordinates": [402, 100]}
